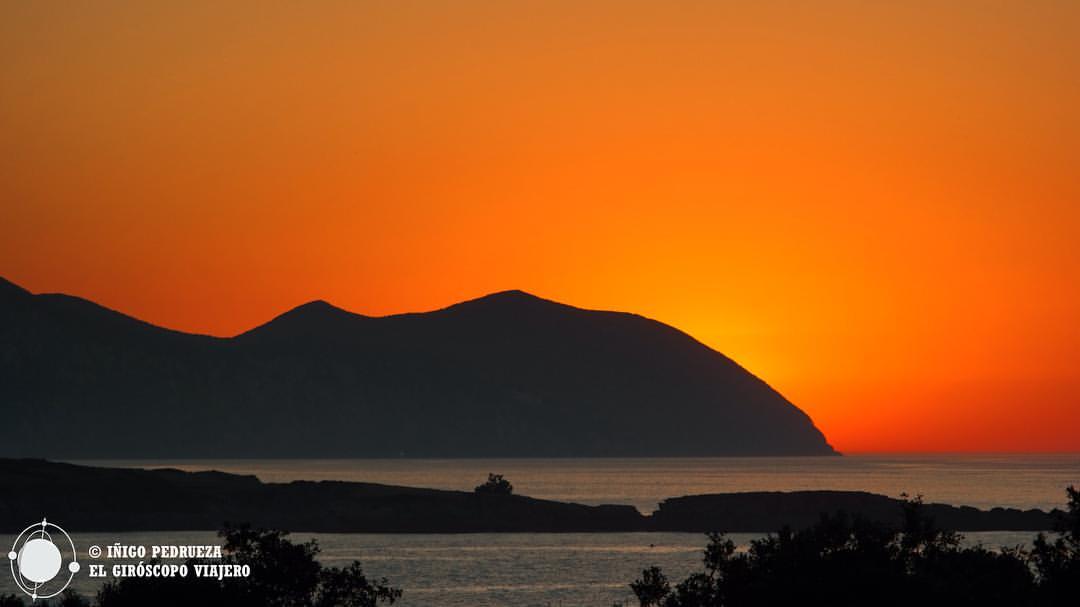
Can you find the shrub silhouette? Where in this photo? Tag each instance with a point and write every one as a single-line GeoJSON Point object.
{"type": "Point", "coordinates": [842, 561]}
{"type": "Point", "coordinates": [652, 587]}
{"type": "Point", "coordinates": [1057, 561]}
{"type": "Point", "coordinates": [283, 574]}
{"type": "Point", "coordinates": [495, 485]}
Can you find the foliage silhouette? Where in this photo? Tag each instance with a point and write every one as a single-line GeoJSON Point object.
{"type": "Point", "coordinates": [843, 561]}
{"type": "Point", "coordinates": [1057, 561]}
{"type": "Point", "coordinates": [652, 587]}
{"type": "Point", "coordinates": [283, 574]}
{"type": "Point", "coordinates": [70, 598]}
{"type": "Point", "coordinates": [495, 485]}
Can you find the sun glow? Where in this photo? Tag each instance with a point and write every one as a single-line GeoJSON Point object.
{"type": "Point", "coordinates": [885, 232]}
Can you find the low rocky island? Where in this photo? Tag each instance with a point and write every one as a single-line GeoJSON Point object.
{"type": "Point", "coordinates": [127, 499]}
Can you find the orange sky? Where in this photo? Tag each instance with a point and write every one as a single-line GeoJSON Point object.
{"type": "Point", "coordinates": [873, 205]}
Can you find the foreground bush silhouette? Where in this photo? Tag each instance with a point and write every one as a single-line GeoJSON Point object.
{"type": "Point", "coordinates": [283, 574]}
{"type": "Point", "coordinates": [1058, 560]}
{"type": "Point", "coordinates": [842, 561]}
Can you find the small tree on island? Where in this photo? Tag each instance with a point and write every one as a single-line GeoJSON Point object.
{"type": "Point", "coordinates": [495, 485]}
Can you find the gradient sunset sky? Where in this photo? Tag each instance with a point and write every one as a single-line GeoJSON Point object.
{"type": "Point", "coordinates": [875, 206]}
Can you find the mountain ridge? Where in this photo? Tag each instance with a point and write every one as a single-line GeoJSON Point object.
{"type": "Point", "coordinates": [507, 374]}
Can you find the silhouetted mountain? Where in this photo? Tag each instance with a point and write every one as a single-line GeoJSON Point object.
{"type": "Point", "coordinates": [509, 374]}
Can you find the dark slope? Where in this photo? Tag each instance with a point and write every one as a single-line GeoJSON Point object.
{"type": "Point", "coordinates": [509, 374]}
{"type": "Point", "coordinates": [115, 499]}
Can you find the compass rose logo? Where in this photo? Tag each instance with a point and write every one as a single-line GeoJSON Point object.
{"type": "Point", "coordinates": [37, 559]}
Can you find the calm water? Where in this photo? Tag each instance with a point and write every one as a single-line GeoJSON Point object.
{"type": "Point", "coordinates": [486, 570]}
{"type": "Point", "coordinates": [1022, 481]}
{"type": "Point", "coordinates": [489, 570]}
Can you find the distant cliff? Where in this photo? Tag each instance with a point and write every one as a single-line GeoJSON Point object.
{"type": "Point", "coordinates": [509, 374]}
{"type": "Point", "coordinates": [110, 499]}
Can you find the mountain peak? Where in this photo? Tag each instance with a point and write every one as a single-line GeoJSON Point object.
{"type": "Point", "coordinates": [315, 317]}
{"type": "Point", "coordinates": [513, 298]}
{"type": "Point", "coordinates": [316, 307]}
{"type": "Point", "coordinates": [513, 293]}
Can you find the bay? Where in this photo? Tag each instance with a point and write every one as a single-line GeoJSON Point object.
{"type": "Point", "coordinates": [488, 570]}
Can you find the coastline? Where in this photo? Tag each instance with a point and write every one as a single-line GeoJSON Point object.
{"type": "Point", "coordinates": [132, 499]}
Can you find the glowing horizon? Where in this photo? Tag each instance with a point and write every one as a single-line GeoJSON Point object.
{"type": "Point", "coordinates": [874, 208]}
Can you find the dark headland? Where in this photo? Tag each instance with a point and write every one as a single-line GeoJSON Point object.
{"type": "Point", "coordinates": [121, 499]}
{"type": "Point", "coordinates": [507, 375]}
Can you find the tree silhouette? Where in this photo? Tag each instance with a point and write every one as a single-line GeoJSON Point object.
{"type": "Point", "coordinates": [850, 562]}
{"type": "Point", "coordinates": [1057, 561]}
{"type": "Point", "coordinates": [349, 587]}
{"type": "Point", "coordinates": [283, 574]}
{"type": "Point", "coordinates": [651, 588]}
{"type": "Point", "coordinates": [70, 598]}
{"type": "Point", "coordinates": [495, 485]}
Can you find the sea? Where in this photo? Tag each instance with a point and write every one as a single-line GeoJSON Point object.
{"type": "Point", "coordinates": [523, 569]}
